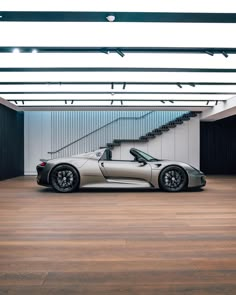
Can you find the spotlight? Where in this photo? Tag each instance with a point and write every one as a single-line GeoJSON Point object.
{"type": "Point", "coordinates": [171, 101]}
{"type": "Point", "coordinates": [23, 102]}
{"type": "Point", "coordinates": [105, 50]}
{"type": "Point", "coordinates": [112, 102]}
{"type": "Point", "coordinates": [72, 102]}
{"type": "Point", "coordinates": [65, 101]}
{"type": "Point", "coordinates": [124, 85]}
{"type": "Point", "coordinates": [112, 85]}
{"type": "Point", "coordinates": [120, 52]}
{"type": "Point", "coordinates": [163, 101]}
{"type": "Point", "coordinates": [111, 18]}
{"type": "Point", "coordinates": [121, 102]}
{"type": "Point", "coordinates": [225, 54]}
{"type": "Point", "coordinates": [179, 85]}
{"type": "Point", "coordinates": [216, 102]}
{"type": "Point", "coordinates": [192, 84]}
{"type": "Point", "coordinates": [16, 102]}
{"type": "Point", "coordinates": [207, 103]}
{"type": "Point", "coordinates": [209, 52]}
{"type": "Point", "coordinates": [16, 50]}
{"type": "Point", "coordinates": [34, 51]}
{"type": "Point", "coordinates": [1, 16]}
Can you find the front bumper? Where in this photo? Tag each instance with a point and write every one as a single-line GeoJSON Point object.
{"type": "Point", "coordinates": [196, 179]}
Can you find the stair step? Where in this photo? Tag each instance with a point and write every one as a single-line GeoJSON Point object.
{"type": "Point", "coordinates": [185, 118]}
{"type": "Point", "coordinates": [150, 135]}
{"type": "Point", "coordinates": [164, 128]}
{"type": "Point", "coordinates": [157, 131]}
{"type": "Point", "coordinates": [178, 121]}
{"type": "Point", "coordinates": [171, 125]}
{"type": "Point", "coordinates": [154, 132]}
{"type": "Point", "coordinates": [192, 114]}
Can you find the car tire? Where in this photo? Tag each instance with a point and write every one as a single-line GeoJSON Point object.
{"type": "Point", "coordinates": [173, 179]}
{"type": "Point", "coordinates": [64, 179]}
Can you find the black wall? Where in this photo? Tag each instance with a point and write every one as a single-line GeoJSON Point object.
{"type": "Point", "coordinates": [11, 143]}
{"type": "Point", "coordinates": [218, 146]}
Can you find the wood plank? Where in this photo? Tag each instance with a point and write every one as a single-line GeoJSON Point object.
{"type": "Point", "coordinates": [117, 241]}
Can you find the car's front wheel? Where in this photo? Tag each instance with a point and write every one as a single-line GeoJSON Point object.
{"type": "Point", "coordinates": [64, 179]}
{"type": "Point", "coordinates": [173, 179]}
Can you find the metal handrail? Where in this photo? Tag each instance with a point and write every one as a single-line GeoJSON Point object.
{"type": "Point", "coordinates": [101, 127]}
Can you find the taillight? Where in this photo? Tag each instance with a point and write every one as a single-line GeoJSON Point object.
{"type": "Point", "coordinates": [43, 164]}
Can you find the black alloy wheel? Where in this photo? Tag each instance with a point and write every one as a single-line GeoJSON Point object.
{"type": "Point", "coordinates": [64, 179]}
{"type": "Point", "coordinates": [173, 179]}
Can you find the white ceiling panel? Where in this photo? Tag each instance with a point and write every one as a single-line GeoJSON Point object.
{"type": "Point", "coordinates": [113, 60]}
{"type": "Point", "coordinates": [91, 34]}
{"type": "Point", "coordinates": [121, 5]}
{"type": "Point", "coordinates": [116, 77]}
{"type": "Point", "coordinates": [117, 88]}
{"type": "Point", "coordinates": [109, 97]}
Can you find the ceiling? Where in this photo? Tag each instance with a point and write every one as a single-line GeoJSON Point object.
{"type": "Point", "coordinates": [155, 54]}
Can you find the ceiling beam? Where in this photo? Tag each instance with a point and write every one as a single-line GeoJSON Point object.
{"type": "Point", "coordinates": [101, 16]}
{"type": "Point", "coordinates": [121, 69]}
{"type": "Point", "coordinates": [107, 50]}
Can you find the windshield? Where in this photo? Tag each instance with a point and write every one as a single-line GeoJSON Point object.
{"type": "Point", "coordinates": [147, 157]}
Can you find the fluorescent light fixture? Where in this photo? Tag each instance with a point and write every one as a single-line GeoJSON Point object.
{"type": "Point", "coordinates": [122, 5]}
{"type": "Point", "coordinates": [105, 35]}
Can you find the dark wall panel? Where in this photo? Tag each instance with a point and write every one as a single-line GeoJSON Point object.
{"type": "Point", "coordinates": [11, 143]}
{"type": "Point", "coordinates": [218, 146]}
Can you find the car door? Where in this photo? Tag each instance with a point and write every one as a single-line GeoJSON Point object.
{"type": "Point", "coordinates": [125, 170]}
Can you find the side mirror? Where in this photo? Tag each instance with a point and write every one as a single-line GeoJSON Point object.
{"type": "Point", "coordinates": [142, 161]}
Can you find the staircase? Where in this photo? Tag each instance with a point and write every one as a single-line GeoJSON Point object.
{"type": "Point", "coordinates": [109, 131]}
{"type": "Point", "coordinates": [155, 132]}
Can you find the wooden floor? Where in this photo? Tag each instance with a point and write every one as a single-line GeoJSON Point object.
{"type": "Point", "coordinates": [117, 242]}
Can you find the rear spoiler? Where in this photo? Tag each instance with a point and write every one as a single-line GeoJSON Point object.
{"type": "Point", "coordinates": [44, 160]}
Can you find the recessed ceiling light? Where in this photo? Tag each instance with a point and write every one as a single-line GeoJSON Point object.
{"type": "Point", "coordinates": [34, 50]}
{"type": "Point", "coordinates": [111, 18]}
{"type": "Point", "coordinates": [16, 50]}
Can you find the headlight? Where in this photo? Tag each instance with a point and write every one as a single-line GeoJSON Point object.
{"type": "Point", "coordinates": [195, 169]}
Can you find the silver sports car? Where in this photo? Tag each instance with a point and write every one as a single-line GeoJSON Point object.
{"type": "Point", "coordinates": [97, 169]}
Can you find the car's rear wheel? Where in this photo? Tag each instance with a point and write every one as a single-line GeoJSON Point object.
{"type": "Point", "coordinates": [173, 179]}
{"type": "Point", "coordinates": [64, 179]}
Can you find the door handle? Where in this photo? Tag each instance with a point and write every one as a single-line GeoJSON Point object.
{"type": "Point", "coordinates": [102, 164]}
